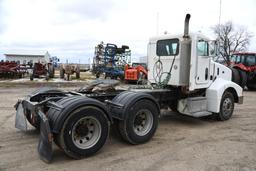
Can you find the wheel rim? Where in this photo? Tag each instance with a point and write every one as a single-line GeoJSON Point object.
{"type": "Point", "coordinates": [143, 122]}
{"type": "Point", "coordinates": [227, 107]}
{"type": "Point", "coordinates": [86, 132]}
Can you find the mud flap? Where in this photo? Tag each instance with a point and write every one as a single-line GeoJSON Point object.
{"type": "Point", "coordinates": [20, 119]}
{"type": "Point", "coordinates": [45, 140]}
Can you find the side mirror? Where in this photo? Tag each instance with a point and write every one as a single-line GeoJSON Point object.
{"type": "Point", "coordinates": [213, 48]}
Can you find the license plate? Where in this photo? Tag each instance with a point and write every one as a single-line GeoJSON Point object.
{"type": "Point", "coordinates": [20, 120]}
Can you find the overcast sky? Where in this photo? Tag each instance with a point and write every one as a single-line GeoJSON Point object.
{"type": "Point", "coordinates": [71, 29]}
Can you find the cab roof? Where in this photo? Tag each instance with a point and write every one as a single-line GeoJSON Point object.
{"type": "Point", "coordinates": [178, 36]}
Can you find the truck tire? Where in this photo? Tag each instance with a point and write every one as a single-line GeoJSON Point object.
{"type": "Point", "coordinates": [226, 106]}
{"type": "Point", "coordinates": [243, 78]}
{"type": "Point", "coordinates": [141, 123]}
{"type": "Point", "coordinates": [84, 132]}
{"type": "Point", "coordinates": [235, 76]}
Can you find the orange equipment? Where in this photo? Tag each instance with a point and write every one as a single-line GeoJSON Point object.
{"type": "Point", "coordinates": [136, 72]}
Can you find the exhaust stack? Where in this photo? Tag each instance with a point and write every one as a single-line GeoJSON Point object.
{"type": "Point", "coordinates": [186, 26]}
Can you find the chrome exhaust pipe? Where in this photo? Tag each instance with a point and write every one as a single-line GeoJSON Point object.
{"type": "Point", "coordinates": [186, 26]}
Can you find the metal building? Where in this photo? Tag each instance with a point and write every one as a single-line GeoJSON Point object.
{"type": "Point", "coordinates": [24, 57]}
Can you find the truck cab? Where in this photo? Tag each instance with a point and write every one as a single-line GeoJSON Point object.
{"type": "Point", "coordinates": [184, 62]}
{"type": "Point", "coordinates": [193, 66]}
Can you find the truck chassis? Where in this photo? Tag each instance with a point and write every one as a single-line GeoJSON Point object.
{"type": "Point", "coordinates": [78, 121]}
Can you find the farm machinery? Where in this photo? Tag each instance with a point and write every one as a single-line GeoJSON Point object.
{"type": "Point", "coordinates": [110, 60]}
{"type": "Point", "coordinates": [243, 68]}
{"type": "Point", "coordinates": [136, 73]}
{"type": "Point", "coordinates": [42, 69]}
{"type": "Point", "coordinates": [12, 69]}
{"type": "Point", "coordinates": [182, 76]}
{"type": "Point", "coordinates": [69, 69]}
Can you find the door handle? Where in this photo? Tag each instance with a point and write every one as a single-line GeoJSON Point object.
{"type": "Point", "coordinates": [206, 73]}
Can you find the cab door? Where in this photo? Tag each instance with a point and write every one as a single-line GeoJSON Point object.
{"type": "Point", "coordinates": [203, 63]}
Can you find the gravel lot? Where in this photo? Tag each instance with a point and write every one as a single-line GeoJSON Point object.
{"type": "Point", "coordinates": [180, 143]}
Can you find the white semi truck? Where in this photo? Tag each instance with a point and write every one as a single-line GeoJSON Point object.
{"type": "Point", "coordinates": [182, 77]}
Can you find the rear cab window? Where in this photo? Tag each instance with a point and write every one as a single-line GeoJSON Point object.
{"type": "Point", "coordinates": [167, 47]}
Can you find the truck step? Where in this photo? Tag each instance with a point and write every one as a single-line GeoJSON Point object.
{"type": "Point", "coordinates": [200, 114]}
{"type": "Point", "coordinates": [193, 106]}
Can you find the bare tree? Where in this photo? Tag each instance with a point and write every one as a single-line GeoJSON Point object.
{"type": "Point", "coordinates": [231, 39]}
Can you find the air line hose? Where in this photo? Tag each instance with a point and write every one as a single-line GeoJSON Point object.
{"type": "Point", "coordinates": [158, 73]}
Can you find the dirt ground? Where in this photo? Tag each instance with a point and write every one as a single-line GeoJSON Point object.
{"type": "Point", "coordinates": [180, 143]}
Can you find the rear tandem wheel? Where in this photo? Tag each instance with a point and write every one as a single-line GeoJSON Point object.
{"type": "Point", "coordinates": [141, 123]}
{"type": "Point", "coordinates": [84, 132]}
{"type": "Point", "coordinates": [139, 117]}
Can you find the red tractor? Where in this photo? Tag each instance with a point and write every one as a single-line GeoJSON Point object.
{"type": "Point", "coordinates": [135, 73]}
{"type": "Point", "coordinates": [243, 66]}
{"type": "Point", "coordinates": [40, 69]}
